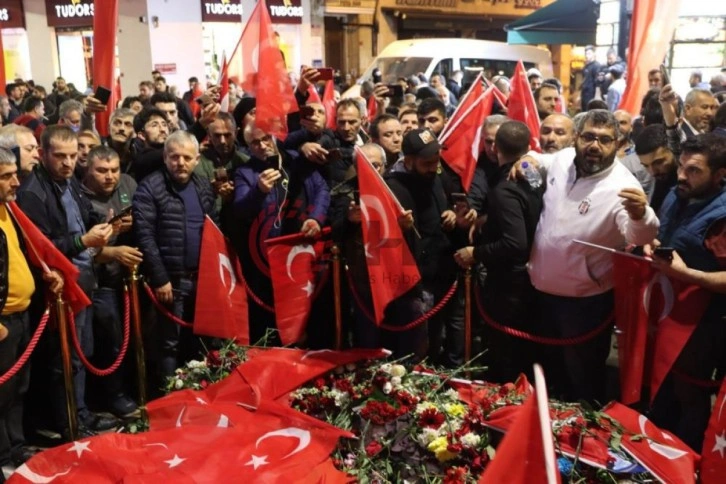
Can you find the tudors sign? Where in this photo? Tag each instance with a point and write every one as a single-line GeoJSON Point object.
{"type": "Point", "coordinates": [222, 11]}
{"type": "Point", "coordinates": [11, 14]}
{"type": "Point", "coordinates": [285, 11]}
{"type": "Point", "coordinates": [69, 13]}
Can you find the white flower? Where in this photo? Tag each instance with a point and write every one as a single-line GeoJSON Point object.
{"type": "Point", "coordinates": [470, 440]}
{"type": "Point", "coordinates": [423, 406]}
{"type": "Point", "coordinates": [387, 387]}
{"type": "Point", "coordinates": [178, 384]}
{"type": "Point", "coordinates": [340, 397]}
{"type": "Point", "coordinates": [396, 381]}
{"type": "Point", "coordinates": [196, 364]}
{"type": "Point", "coordinates": [427, 436]}
{"type": "Point", "coordinates": [397, 370]}
{"type": "Point", "coordinates": [452, 394]}
{"type": "Point", "coordinates": [386, 367]}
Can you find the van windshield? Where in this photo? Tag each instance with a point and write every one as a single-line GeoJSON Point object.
{"type": "Point", "coordinates": [393, 68]}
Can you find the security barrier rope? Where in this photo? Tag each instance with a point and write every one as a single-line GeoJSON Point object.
{"type": "Point", "coordinates": [124, 344]}
{"type": "Point", "coordinates": [164, 310]}
{"type": "Point", "coordinates": [28, 349]}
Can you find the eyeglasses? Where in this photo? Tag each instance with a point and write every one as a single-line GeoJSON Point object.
{"type": "Point", "coordinates": [590, 138]}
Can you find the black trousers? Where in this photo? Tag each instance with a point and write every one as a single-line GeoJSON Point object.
{"type": "Point", "coordinates": [12, 392]}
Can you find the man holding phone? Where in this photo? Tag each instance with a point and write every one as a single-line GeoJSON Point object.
{"type": "Point", "coordinates": [693, 229]}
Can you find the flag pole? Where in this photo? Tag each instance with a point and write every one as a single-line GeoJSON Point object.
{"type": "Point", "coordinates": [71, 407]}
{"type": "Point", "coordinates": [335, 250]}
{"type": "Point", "coordinates": [548, 445]}
{"type": "Point", "coordinates": [467, 315]}
{"type": "Point", "coordinates": [611, 250]}
{"type": "Point", "coordinates": [138, 340]}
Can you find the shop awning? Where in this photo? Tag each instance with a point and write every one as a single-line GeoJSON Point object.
{"type": "Point", "coordinates": [561, 22]}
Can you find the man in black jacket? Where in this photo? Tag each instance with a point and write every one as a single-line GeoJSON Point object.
{"type": "Point", "coordinates": [52, 199]}
{"type": "Point", "coordinates": [169, 208]}
{"type": "Point", "coordinates": [589, 77]}
{"type": "Point", "coordinates": [17, 286]}
{"type": "Point", "coordinates": [503, 248]}
{"type": "Point", "coordinates": [152, 128]}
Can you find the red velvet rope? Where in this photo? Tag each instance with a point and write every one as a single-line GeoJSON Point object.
{"type": "Point", "coordinates": [695, 381]}
{"type": "Point", "coordinates": [124, 344]}
{"type": "Point", "coordinates": [164, 310]}
{"type": "Point", "coordinates": [544, 340]}
{"type": "Point", "coordinates": [28, 349]}
{"type": "Point", "coordinates": [429, 314]}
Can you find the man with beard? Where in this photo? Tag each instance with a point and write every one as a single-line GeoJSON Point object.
{"type": "Point", "coordinates": [146, 90]}
{"type": "Point", "coordinates": [627, 156]}
{"type": "Point", "coordinates": [693, 222]}
{"type": "Point", "coordinates": [87, 140]}
{"type": "Point", "coordinates": [152, 129]}
{"type": "Point", "coordinates": [545, 97]}
{"type": "Point", "coordinates": [169, 209]}
{"type": "Point", "coordinates": [592, 198]}
{"type": "Point", "coordinates": [556, 133]}
{"type": "Point", "coordinates": [274, 195]}
{"type": "Point", "coordinates": [408, 119]}
{"type": "Point", "coordinates": [655, 156]}
{"type": "Point", "coordinates": [121, 134]}
{"type": "Point", "coordinates": [420, 189]}
{"type": "Point", "coordinates": [698, 111]}
{"type": "Point", "coordinates": [386, 131]}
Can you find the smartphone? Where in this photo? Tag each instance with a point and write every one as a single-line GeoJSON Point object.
{"type": "Point", "coordinates": [274, 160]}
{"type": "Point", "coordinates": [460, 199]}
{"type": "Point", "coordinates": [394, 90]}
{"type": "Point", "coordinates": [123, 213]}
{"type": "Point", "coordinates": [220, 175]}
{"type": "Point", "coordinates": [326, 73]}
{"type": "Point", "coordinates": [307, 112]}
{"type": "Point", "coordinates": [204, 100]}
{"type": "Point", "coordinates": [664, 75]}
{"type": "Point", "coordinates": [334, 154]}
{"type": "Point", "coordinates": [102, 94]}
{"type": "Point", "coordinates": [377, 76]}
{"type": "Point", "coordinates": [664, 252]}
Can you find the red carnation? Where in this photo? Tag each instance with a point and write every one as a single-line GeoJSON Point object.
{"type": "Point", "coordinates": [373, 448]}
{"type": "Point", "coordinates": [431, 418]}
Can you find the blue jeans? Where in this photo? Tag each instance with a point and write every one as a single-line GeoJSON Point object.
{"type": "Point", "coordinates": [13, 391]}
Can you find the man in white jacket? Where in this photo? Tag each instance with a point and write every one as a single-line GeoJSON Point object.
{"type": "Point", "coordinates": [591, 198]}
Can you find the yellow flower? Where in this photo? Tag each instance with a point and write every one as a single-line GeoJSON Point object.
{"type": "Point", "coordinates": [439, 447]}
{"type": "Point", "coordinates": [455, 409]}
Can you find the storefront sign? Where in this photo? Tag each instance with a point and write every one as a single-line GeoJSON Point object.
{"type": "Point", "coordinates": [166, 69]}
{"type": "Point", "coordinates": [11, 15]}
{"type": "Point", "coordinates": [222, 11]}
{"type": "Point", "coordinates": [69, 13]}
{"type": "Point", "coordinates": [285, 11]}
{"type": "Point", "coordinates": [533, 4]}
{"type": "Point", "coordinates": [427, 3]}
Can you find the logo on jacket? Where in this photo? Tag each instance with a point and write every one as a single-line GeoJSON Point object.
{"type": "Point", "coordinates": [584, 206]}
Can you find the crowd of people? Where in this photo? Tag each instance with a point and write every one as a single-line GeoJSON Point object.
{"type": "Point", "coordinates": [140, 196]}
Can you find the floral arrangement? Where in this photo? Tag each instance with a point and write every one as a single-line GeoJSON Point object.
{"type": "Point", "coordinates": [216, 366]}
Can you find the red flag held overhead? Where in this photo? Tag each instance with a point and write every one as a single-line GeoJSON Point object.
{"type": "Point", "coordinates": [329, 104]}
{"type": "Point", "coordinates": [105, 19]}
{"type": "Point", "coordinates": [224, 87]}
{"type": "Point", "coordinates": [221, 307]}
{"type": "Point", "coordinates": [521, 106]}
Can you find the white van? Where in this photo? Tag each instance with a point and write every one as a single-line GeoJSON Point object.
{"type": "Point", "coordinates": [404, 58]}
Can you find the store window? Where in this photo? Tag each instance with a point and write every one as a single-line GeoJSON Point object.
{"type": "Point", "coordinates": [699, 44]}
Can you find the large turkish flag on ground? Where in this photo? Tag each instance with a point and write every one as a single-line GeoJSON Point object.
{"type": "Point", "coordinates": [661, 452]}
{"type": "Point", "coordinates": [521, 106]}
{"type": "Point", "coordinates": [105, 19]}
{"type": "Point", "coordinates": [265, 74]}
{"type": "Point", "coordinates": [460, 148]}
{"type": "Point", "coordinates": [392, 269]}
{"type": "Point", "coordinates": [273, 444]}
{"type": "Point", "coordinates": [657, 316]}
{"type": "Point", "coordinates": [221, 307]}
{"type": "Point", "coordinates": [44, 254]}
{"type": "Point", "coordinates": [297, 268]}
{"type": "Point", "coordinates": [713, 455]}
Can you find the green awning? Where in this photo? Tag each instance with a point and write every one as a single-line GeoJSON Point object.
{"type": "Point", "coordinates": [561, 22]}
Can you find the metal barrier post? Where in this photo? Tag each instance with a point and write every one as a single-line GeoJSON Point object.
{"type": "Point", "coordinates": [138, 339]}
{"type": "Point", "coordinates": [63, 328]}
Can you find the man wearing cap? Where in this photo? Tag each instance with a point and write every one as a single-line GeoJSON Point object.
{"type": "Point", "coordinates": [420, 190]}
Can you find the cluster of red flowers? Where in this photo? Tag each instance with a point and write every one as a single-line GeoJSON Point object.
{"type": "Point", "coordinates": [431, 418]}
{"type": "Point", "coordinates": [380, 412]}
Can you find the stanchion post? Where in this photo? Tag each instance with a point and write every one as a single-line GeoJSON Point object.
{"type": "Point", "coordinates": [335, 250]}
{"type": "Point", "coordinates": [138, 339]}
{"type": "Point", "coordinates": [467, 315]}
{"type": "Point", "coordinates": [60, 310]}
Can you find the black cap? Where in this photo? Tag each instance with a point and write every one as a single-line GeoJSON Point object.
{"type": "Point", "coordinates": [420, 142]}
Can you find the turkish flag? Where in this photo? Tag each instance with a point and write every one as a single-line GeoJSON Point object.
{"type": "Point", "coordinates": [527, 454]}
{"type": "Point", "coordinates": [221, 307]}
{"type": "Point", "coordinates": [392, 269]}
{"type": "Point", "coordinates": [662, 453]}
{"type": "Point", "coordinates": [713, 455]}
{"type": "Point", "coordinates": [372, 108]}
{"type": "Point", "coordinates": [651, 30]}
{"type": "Point", "coordinates": [105, 18]}
{"type": "Point", "coordinates": [313, 96]}
{"type": "Point", "coordinates": [275, 444]}
{"type": "Point", "coordinates": [329, 104]}
{"type": "Point", "coordinates": [521, 106]}
{"type": "Point", "coordinates": [265, 73]}
{"type": "Point", "coordinates": [224, 87]}
{"type": "Point", "coordinates": [657, 316]}
{"type": "Point", "coordinates": [470, 99]}
{"type": "Point", "coordinates": [460, 148]}
{"type": "Point", "coordinates": [630, 279]}
{"type": "Point", "coordinates": [44, 254]}
{"type": "Point", "coordinates": [295, 270]}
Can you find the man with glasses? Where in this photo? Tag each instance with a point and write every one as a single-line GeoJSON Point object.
{"type": "Point", "coordinates": [589, 197]}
